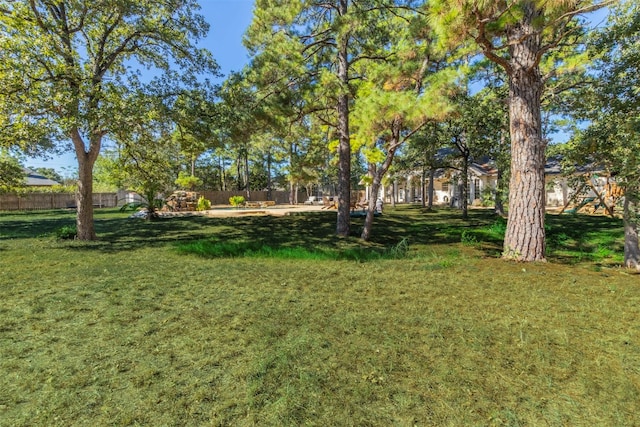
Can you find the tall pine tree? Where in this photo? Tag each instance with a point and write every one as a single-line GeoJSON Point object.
{"type": "Point", "coordinates": [517, 35]}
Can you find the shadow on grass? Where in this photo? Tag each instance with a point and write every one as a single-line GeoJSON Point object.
{"type": "Point", "coordinates": [24, 225]}
{"type": "Point", "coordinates": [570, 238]}
{"type": "Point", "coordinates": [580, 238]}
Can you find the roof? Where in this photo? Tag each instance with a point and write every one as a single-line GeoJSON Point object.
{"type": "Point", "coordinates": [554, 166]}
{"type": "Point", "coordinates": [36, 180]}
{"type": "Point", "coordinates": [487, 168]}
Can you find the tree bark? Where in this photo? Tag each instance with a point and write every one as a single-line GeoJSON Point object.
{"type": "Point", "coordinates": [394, 192]}
{"type": "Point", "coordinates": [525, 235]}
{"type": "Point", "coordinates": [423, 187]}
{"type": "Point", "coordinates": [344, 146]}
{"type": "Point", "coordinates": [378, 174]}
{"type": "Point", "coordinates": [246, 172]}
{"type": "Point", "coordinates": [371, 206]}
{"type": "Point", "coordinates": [84, 195]}
{"type": "Point", "coordinates": [291, 190]}
{"type": "Point", "coordinates": [269, 175]}
{"type": "Point", "coordinates": [239, 172]}
{"type": "Point", "coordinates": [223, 178]}
{"type": "Point", "coordinates": [630, 219]}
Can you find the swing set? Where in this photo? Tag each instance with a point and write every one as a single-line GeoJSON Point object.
{"type": "Point", "coordinates": [607, 198]}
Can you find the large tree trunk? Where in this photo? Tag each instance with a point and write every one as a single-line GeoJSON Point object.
{"type": "Point", "coordinates": [344, 146]}
{"type": "Point", "coordinates": [525, 235]}
{"type": "Point", "coordinates": [84, 195]}
{"type": "Point", "coordinates": [631, 220]}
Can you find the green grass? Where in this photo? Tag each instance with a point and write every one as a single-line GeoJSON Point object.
{"type": "Point", "coordinates": [193, 321]}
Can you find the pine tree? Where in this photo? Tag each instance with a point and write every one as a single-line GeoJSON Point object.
{"type": "Point", "coordinates": [517, 36]}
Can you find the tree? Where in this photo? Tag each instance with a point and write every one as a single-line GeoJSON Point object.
{"type": "Point", "coordinates": [517, 35]}
{"type": "Point", "coordinates": [475, 132]}
{"type": "Point", "coordinates": [65, 69]}
{"type": "Point", "coordinates": [306, 53]}
{"type": "Point", "coordinates": [397, 99]}
{"type": "Point", "coordinates": [147, 158]}
{"type": "Point", "coordinates": [611, 105]}
{"type": "Point", "coordinates": [11, 174]}
{"type": "Point", "coordinates": [196, 116]}
{"type": "Point", "coordinates": [422, 154]}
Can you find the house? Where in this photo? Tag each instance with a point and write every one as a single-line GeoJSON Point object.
{"type": "Point", "coordinates": [34, 179]}
{"type": "Point", "coordinates": [483, 177]}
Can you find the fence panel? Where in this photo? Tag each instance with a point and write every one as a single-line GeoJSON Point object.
{"type": "Point", "coordinates": [42, 201]}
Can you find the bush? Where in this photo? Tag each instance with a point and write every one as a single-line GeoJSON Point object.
{"type": "Point", "coordinates": [68, 232]}
{"type": "Point", "coordinates": [236, 201]}
{"type": "Point", "coordinates": [203, 204]}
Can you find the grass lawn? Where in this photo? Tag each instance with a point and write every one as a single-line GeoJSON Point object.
{"type": "Point", "coordinates": [274, 321]}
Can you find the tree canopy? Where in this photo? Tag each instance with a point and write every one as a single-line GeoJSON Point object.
{"type": "Point", "coordinates": [611, 107]}
{"type": "Point", "coordinates": [67, 64]}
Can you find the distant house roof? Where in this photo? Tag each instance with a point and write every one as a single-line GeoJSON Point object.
{"type": "Point", "coordinates": [37, 180]}
{"type": "Point", "coordinates": [553, 166]}
{"type": "Point", "coordinates": [487, 167]}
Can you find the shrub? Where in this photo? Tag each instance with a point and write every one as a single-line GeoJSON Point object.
{"type": "Point", "coordinates": [67, 232]}
{"type": "Point", "coordinates": [203, 204]}
{"type": "Point", "coordinates": [236, 201]}
{"type": "Point", "coordinates": [488, 197]}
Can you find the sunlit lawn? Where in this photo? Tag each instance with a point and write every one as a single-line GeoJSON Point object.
{"type": "Point", "coordinates": [274, 321]}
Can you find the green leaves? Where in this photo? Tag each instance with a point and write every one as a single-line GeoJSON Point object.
{"type": "Point", "coordinates": [12, 176]}
{"type": "Point", "coordinates": [64, 64]}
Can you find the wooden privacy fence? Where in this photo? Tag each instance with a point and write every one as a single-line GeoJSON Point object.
{"type": "Point", "coordinates": [41, 201]}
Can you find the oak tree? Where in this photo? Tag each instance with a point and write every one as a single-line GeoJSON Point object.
{"type": "Point", "coordinates": [66, 65]}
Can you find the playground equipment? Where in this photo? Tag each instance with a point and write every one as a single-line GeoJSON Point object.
{"type": "Point", "coordinates": [607, 198]}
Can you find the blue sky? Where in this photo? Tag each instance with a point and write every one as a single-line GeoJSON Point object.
{"type": "Point", "coordinates": [228, 19]}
